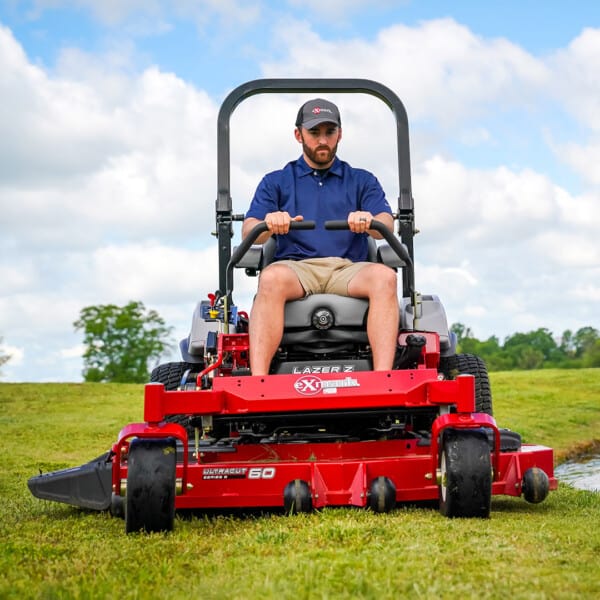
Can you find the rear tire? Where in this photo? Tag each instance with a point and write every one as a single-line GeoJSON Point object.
{"type": "Point", "coordinates": [150, 499]}
{"type": "Point", "coordinates": [171, 374]}
{"type": "Point", "coordinates": [466, 474]}
{"type": "Point", "coordinates": [510, 441]}
{"type": "Point", "coordinates": [469, 364]}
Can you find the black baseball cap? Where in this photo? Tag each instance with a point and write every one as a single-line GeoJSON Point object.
{"type": "Point", "coordinates": [317, 111]}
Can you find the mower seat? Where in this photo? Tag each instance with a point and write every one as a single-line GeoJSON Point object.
{"type": "Point", "coordinates": [321, 323]}
{"type": "Point", "coordinates": [320, 318]}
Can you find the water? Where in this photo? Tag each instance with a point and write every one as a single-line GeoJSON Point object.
{"type": "Point", "coordinates": [584, 475]}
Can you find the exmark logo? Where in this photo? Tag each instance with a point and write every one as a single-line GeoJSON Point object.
{"type": "Point", "coordinates": [317, 110]}
{"type": "Point", "coordinates": [309, 386]}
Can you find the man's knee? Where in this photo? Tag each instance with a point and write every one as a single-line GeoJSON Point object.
{"type": "Point", "coordinates": [278, 280]}
{"type": "Point", "coordinates": [374, 281]}
{"type": "Point", "coordinates": [382, 278]}
{"type": "Point", "coordinates": [388, 276]}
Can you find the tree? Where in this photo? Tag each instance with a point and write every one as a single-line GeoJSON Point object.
{"type": "Point", "coordinates": [489, 350]}
{"type": "Point", "coordinates": [533, 350]}
{"type": "Point", "coordinates": [584, 339]}
{"type": "Point", "coordinates": [4, 358]}
{"type": "Point", "coordinates": [529, 358]}
{"type": "Point", "coordinates": [462, 331]}
{"type": "Point", "coordinates": [567, 344]}
{"type": "Point", "coordinates": [591, 356]}
{"type": "Point", "coordinates": [530, 350]}
{"type": "Point", "coordinates": [120, 341]}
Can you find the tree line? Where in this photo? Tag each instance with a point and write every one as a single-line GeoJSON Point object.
{"type": "Point", "coordinates": [537, 349]}
{"type": "Point", "coordinates": [122, 343]}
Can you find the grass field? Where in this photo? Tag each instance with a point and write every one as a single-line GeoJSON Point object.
{"type": "Point", "coordinates": [50, 550]}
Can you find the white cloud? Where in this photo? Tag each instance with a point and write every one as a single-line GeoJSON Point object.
{"type": "Point", "coordinates": [577, 81]}
{"type": "Point", "coordinates": [37, 315]}
{"type": "Point", "coordinates": [92, 164]}
{"type": "Point", "coordinates": [589, 292]}
{"type": "Point", "coordinates": [584, 159]}
{"type": "Point", "coordinates": [152, 16]}
{"type": "Point", "coordinates": [16, 277]}
{"type": "Point", "coordinates": [37, 145]}
{"type": "Point", "coordinates": [527, 249]}
{"type": "Point", "coordinates": [339, 11]}
{"type": "Point", "coordinates": [441, 69]}
{"type": "Point", "coordinates": [569, 249]}
{"type": "Point", "coordinates": [161, 274]}
{"type": "Point", "coordinates": [494, 207]}
{"type": "Point", "coordinates": [73, 352]}
{"type": "Point", "coordinates": [16, 354]}
{"type": "Point", "coordinates": [577, 89]}
{"type": "Point", "coordinates": [105, 161]}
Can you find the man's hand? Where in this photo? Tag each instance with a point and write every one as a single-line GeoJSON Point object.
{"type": "Point", "coordinates": [360, 221]}
{"type": "Point", "coordinates": [279, 222]}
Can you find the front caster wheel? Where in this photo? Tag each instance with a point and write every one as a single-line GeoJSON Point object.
{"type": "Point", "coordinates": [465, 474]}
{"type": "Point", "coordinates": [297, 497]}
{"type": "Point", "coordinates": [382, 495]}
{"type": "Point", "coordinates": [535, 486]}
{"type": "Point", "coordinates": [150, 500]}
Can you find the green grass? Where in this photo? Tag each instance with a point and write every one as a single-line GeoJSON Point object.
{"type": "Point", "coordinates": [48, 550]}
{"type": "Point", "coordinates": [559, 408]}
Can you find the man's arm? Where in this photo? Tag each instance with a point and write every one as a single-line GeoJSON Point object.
{"type": "Point", "coordinates": [249, 224]}
{"type": "Point", "coordinates": [387, 219]}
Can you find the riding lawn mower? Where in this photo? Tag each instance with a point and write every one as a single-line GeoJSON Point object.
{"type": "Point", "coordinates": [322, 428]}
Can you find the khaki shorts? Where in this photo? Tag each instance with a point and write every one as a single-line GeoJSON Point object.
{"type": "Point", "coordinates": [324, 275]}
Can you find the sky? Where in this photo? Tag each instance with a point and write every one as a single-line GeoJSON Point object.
{"type": "Point", "coordinates": [108, 152]}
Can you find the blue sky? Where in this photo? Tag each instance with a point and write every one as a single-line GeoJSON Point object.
{"type": "Point", "coordinates": [108, 174]}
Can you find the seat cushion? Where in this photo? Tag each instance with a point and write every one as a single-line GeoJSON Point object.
{"type": "Point", "coordinates": [346, 311]}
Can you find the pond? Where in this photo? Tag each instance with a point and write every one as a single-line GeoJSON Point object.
{"type": "Point", "coordinates": [582, 474]}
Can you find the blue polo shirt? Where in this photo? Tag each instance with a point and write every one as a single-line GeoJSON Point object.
{"type": "Point", "coordinates": [302, 190]}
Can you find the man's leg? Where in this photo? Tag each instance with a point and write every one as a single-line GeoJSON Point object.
{"type": "Point", "coordinates": [277, 284]}
{"type": "Point", "coordinates": [378, 283]}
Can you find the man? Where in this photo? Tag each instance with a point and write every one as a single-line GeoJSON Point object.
{"type": "Point", "coordinates": [320, 187]}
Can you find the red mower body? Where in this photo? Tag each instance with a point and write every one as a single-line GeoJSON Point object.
{"type": "Point", "coordinates": [336, 473]}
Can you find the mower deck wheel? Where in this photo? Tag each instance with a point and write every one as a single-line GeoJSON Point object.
{"type": "Point", "coordinates": [150, 500]}
{"type": "Point", "coordinates": [535, 486]}
{"type": "Point", "coordinates": [382, 495]}
{"type": "Point", "coordinates": [297, 497]}
{"type": "Point", "coordinates": [465, 474]}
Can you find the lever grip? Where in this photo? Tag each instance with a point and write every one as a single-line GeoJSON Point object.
{"type": "Point", "coordinates": [336, 225]}
{"type": "Point", "coordinates": [302, 225]}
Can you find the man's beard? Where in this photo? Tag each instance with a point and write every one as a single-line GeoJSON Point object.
{"type": "Point", "coordinates": [322, 155]}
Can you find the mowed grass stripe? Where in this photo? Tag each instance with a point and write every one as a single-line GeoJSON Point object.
{"type": "Point", "coordinates": [50, 550]}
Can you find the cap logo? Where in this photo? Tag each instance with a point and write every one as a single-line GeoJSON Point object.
{"type": "Point", "coordinates": [316, 110]}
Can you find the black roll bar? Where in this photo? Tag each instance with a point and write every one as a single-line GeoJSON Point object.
{"type": "Point", "coordinates": [224, 216]}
